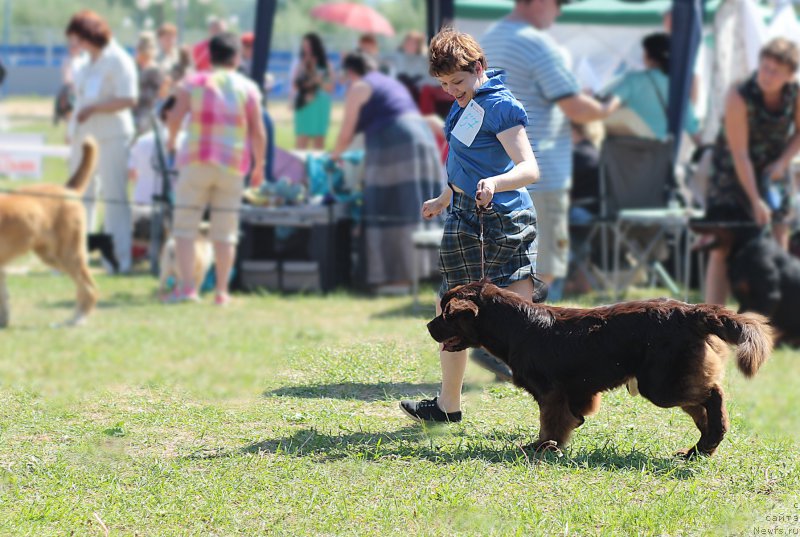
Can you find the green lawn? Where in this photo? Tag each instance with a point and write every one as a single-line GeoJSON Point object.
{"type": "Point", "coordinates": [278, 416]}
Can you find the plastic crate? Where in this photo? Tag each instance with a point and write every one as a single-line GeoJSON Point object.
{"type": "Point", "coordinates": [260, 275]}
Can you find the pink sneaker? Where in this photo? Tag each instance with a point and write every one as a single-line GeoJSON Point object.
{"type": "Point", "coordinates": [222, 299]}
{"type": "Point", "coordinates": [176, 297]}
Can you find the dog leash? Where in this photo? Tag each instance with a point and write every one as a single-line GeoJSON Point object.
{"type": "Point", "coordinates": [480, 211]}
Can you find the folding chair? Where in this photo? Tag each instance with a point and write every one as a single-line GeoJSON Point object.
{"type": "Point", "coordinates": [636, 180]}
{"type": "Point", "coordinates": [588, 236]}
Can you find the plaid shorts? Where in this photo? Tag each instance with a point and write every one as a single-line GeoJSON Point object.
{"type": "Point", "coordinates": [509, 245]}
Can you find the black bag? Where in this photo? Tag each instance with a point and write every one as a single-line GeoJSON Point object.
{"type": "Point", "coordinates": [64, 103]}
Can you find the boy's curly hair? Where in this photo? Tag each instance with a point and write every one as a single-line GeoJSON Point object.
{"type": "Point", "coordinates": [451, 51]}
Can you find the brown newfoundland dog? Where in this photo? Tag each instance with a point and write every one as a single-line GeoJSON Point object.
{"type": "Point", "coordinates": [672, 352]}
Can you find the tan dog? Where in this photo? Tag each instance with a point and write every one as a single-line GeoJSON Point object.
{"type": "Point", "coordinates": [52, 223]}
{"type": "Point", "coordinates": [168, 264]}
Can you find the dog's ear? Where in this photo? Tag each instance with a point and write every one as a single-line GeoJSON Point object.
{"type": "Point", "coordinates": [458, 306]}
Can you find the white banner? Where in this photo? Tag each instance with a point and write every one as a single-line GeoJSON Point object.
{"type": "Point", "coordinates": [21, 155]}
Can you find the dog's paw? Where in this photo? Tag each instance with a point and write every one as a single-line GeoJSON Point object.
{"type": "Point", "coordinates": [633, 386]}
{"type": "Point", "coordinates": [541, 447]}
{"type": "Point", "coordinates": [691, 453]}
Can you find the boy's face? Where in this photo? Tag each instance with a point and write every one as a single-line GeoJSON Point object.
{"type": "Point", "coordinates": [462, 84]}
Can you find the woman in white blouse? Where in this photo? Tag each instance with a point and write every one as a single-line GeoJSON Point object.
{"type": "Point", "coordinates": [106, 89]}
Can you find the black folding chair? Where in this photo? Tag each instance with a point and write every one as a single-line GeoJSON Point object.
{"type": "Point", "coordinates": [637, 178]}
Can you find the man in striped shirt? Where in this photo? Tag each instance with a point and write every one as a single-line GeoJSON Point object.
{"type": "Point", "coordinates": [537, 75]}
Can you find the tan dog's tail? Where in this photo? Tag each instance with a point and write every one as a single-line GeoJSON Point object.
{"type": "Point", "coordinates": [80, 179]}
{"type": "Point", "coordinates": [750, 331]}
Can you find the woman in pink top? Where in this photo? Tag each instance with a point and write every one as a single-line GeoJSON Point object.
{"type": "Point", "coordinates": [224, 128]}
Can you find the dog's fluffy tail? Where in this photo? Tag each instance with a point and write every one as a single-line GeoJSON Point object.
{"type": "Point", "coordinates": [80, 179]}
{"type": "Point", "coordinates": [750, 331]}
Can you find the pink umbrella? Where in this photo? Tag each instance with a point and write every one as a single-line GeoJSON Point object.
{"type": "Point", "coordinates": [356, 16]}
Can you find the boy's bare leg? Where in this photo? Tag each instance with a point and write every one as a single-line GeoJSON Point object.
{"type": "Point", "coordinates": [455, 363]}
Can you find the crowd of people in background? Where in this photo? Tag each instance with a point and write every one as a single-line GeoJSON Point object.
{"type": "Point", "coordinates": [160, 68]}
{"type": "Point", "coordinates": [392, 99]}
{"type": "Point", "coordinates": [117, 98]}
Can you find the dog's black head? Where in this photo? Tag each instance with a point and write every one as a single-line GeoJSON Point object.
{"type": "Point", "coordinates": [456, 327]}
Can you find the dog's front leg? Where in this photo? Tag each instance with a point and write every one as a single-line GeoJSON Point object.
{"type": "Point", "coordinates": [4, 308]}
{"type": "Point", "coordinates": [556, 420]}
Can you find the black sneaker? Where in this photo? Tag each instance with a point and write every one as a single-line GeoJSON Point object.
{"type": "Point", "coordinates": [428, 410]}
{"type": "Point", "coordinates": [501, 371]}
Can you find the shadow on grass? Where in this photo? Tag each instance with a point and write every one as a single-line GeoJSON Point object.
{"type": "Point", "coordinates": [120, 299]}
{"type": "Point", "coordinates": [380, 391]}
{"type": "Point", "coordinates": [110, 300]}
{"type": "Point", "coordinates": [423, 443]}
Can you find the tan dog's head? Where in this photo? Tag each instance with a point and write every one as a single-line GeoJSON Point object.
{"type": "Point", "coordinates": [456, 327]}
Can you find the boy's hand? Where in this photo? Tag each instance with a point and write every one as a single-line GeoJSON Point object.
{"type": "Point", "coordinates": [433, 207]}
{"type": "Point", "coordinates": [484, 192]}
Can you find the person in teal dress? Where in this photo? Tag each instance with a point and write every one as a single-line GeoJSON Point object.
{"type": "Point", "coordinates": [312, 83]}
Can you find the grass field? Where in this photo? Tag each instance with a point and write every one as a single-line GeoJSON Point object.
{"type": "Point", "coordinates": [278, 416]}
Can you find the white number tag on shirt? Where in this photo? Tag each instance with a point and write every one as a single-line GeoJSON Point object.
{"type": "Point", "coordinates": [469, 124]}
